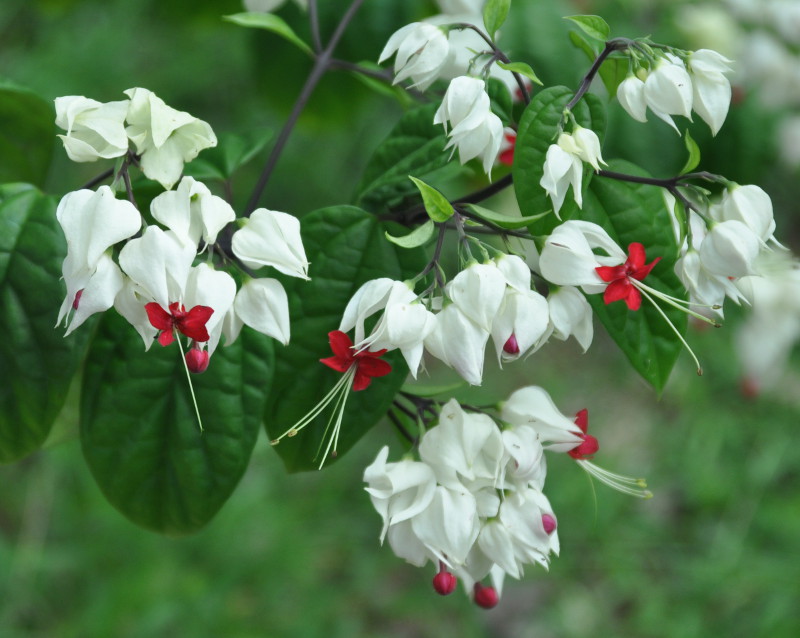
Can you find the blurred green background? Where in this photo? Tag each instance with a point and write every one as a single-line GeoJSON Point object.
{"type": "Point", "coordinates": [715, 552]}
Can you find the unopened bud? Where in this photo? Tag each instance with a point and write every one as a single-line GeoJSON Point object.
{"type": "Point", "coordinates": [549, 524]}
{"type": "Point", "coordinates": [485, 597]}
{"type": "Point", "coordinates": [77, 299]}
{"type": "Point", "coordinates": [197, 360]}
{"type": "Point", "coordinates": [511, 346]}
{"type": "Point", "coordinates": [444, 583]}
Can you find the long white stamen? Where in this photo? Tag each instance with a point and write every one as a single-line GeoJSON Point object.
{"type": "Point", "coordinates": [680, 304]}
{"type": "Point", "coordinates": [625, 484]}
{"type": "Point", "coordinates": [346, 379]}
{"type": "Point", "coordinates": [191, 387]}
{"type": "Point", "coordinates": [338, 412]}
{"type": "Point", "coordinates": [675, 330]}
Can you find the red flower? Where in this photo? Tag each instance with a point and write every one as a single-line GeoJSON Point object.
{"type": "Point", "coordinates": [506, 156]}
{"type": "Point", "coordinates": [590, 445]}
{"type": "Point", "coordinates": [368, 365]}
{"type": "Point", "coordinates": [619, 277]}
{"type": "Point", "coordinates": [191, 323]}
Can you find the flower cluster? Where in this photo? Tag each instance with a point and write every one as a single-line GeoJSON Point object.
{"type": "Point", "coordinates": [473, 504]}
{"type": "Point", "coordinates": [672, 87]}
{"type": "Point", "coordinates": [726, 245]}
{"type": "Point", "coordinates": [150, 276]}
{"type": "Point", "coordinates": [493, 299]}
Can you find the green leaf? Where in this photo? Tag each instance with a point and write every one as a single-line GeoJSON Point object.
{"type": "Point", "coordinates": [593, 26]}
{"type": "Point", "coordinates": [231, 153]}
{"type": "Point", "coordinates": [693, 161]}
{"type": "Point", "coordinates": [428, 391]}
{"type": "Point", "coordinates": [27, 135]}
{"type": "Point", "coordinates": [522, 69]}
{"type": "Point", "coordinates": [437, 205]}
{"type": "Point", "coordinates": [269, 22]}
{"type": "Point", "coordinates": [504, 221]}
{"type": "Point", "coordinates": [495, 13]}
{"type": "Point", "coordinates": [414, 147]}
{"type": "Point", "coordinates": [500, 96]}
{"type": "Point", "coordinates": [36, 362]}
{"type": "Point", "coordinates": [346, 248]}
{"type": "Point", "coordinates": [637, 213]}
{"type": "Point", "coordinates": [418, 237]}
{"type": "Point", "coordinates": [382, 87]}
{"type": "Point", "coordinates": [140, 434]}
{"type": "Point", "coordinates": [538, 129]}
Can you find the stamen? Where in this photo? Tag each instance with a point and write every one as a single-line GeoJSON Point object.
{"type": "Point", "coordinates": [624, 484]}
{"type": "Point", "coordinates": [681, 304]}
{"type": "Point", "coordinates": [191, 387]}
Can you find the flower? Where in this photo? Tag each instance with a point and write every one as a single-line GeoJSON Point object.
{"type": "Point", "coordinates": [191, 323]}
{"type": "Point", "coordinates": [93, 222]}
{"type": "Point", "coordinates": [476, 132]}
{"type": "Point", "coordinates": [422, 51]}
{"type": "Point", "coordinates": [164, 137]}
{"type": "Point", "coordinates": [263, 305]}
{"type": "Point", "coordinates": [711, 90]}
{"type": "Point", "coordinates": [563, 165]}
{"type": "Point", "coordinates": [668, 89]}
{"type": "Point", "coordinates": [750, 205]}
{"type": "Point", "coordinates": [730, 249]}
{"type": "Point", "coordinates": [570, 315]}
{"type": "Point", "coordinates": [630, 94]}
{"type": "Point", "coordinates": [271, 238]}
{"type": "Point", "coordinates": [459, 342]}
{"type": "Point", "coordinates": [507, 146]}
{"type": "Point", "coordinates": [478, 291]}
{"type": "Point", "coordinates": [192, 212]}
{"type": "Point", "coordinates": [94, 130]}
{"type": "Point", "coordinates": [620, 277]}
{"type": "Point", "coordinates": [365, 364]}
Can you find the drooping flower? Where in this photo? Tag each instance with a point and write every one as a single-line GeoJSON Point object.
{"type": "Point", "coordinates": [263, 305]}
{"type": "Point", "coordinates": [711, 89]}
{"type": "Point", "coordinates": [94, 130]}
{"type": "Point", "coordinates": [563, 165]}
{"type": "Point", "coordinates": [459, 342]}
{"type": "Point", "coordinates": [570, 316]}
{"type": "Point", "coordinates": [619, 277]}
{"type": "Point", "coordinates": [164, 137]}
{"type": "Point", "coordinates": [422, 50]}
{"type": "Point", "coordinates": [191, 323]}
{"type": "Point", "coordinates": [668, 89]}
{"type": "Point", "coordinates": [271, 238]}
{"type": "Point", "coordinates": [750, 205]}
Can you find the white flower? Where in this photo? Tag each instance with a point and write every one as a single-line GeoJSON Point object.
{"type": "Point", "coordinates": [571, 315]}
{"type": "Point", "coordinates": [92, 223]}
{"type": "Point", "coordinates": [478, 291]}
{"type": "Point", "coordinates": [563, 165]}
{"type": "Point", "coordinates": [422, 51]}
{"type": "Point", "coordinates": [711, 89]}
{"type": "Point", "coordinates": [630, 94]}
{"type": "Point", "coordinates": [129, 303]}
{"type": "Point", "coordinates": [215, 289]}
{"type": "Point", "coordinates": [750, 205]}
{"type": "Point", "coordinates": [532, 406]}
{"type": "Point", "coordinates": [730, 249]}
{"type": "Point", "coordinates": [587, 146]}
{"type": "Point", "coordinates": [271, 238]}
{"type": "Point", "coordinates": [527, 465]}
{"type": "Point", "coordinates": [568, 257]}
{"type": "Point", "coordinates": [263, 305]}
{"type": "Point", "coordinates": [449, 526]}
{"type": "Point", "coordinates": [192, 212]}
{"type": "Point", "coordinates": [94, 129]}
{"type": "Point", "coordinates": [668, 89]}
{"type": "Point", "coordinates": [165, 138]}
{"type": "Point", "coordinates": [459, 342]}
{"type": "Point", "coordinates": [523, 316]}
{"type": "Point", "coordinates": [399, 491]}
{"type": "Point", "coordinates": [476, 132]}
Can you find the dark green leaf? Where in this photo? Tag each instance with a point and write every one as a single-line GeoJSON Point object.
{"type": "Point", "coordinates": [500, 96]}
{"type": "Point", "coordinates": [414, 147]}
{"type": "Point", "coordinates": [231, 153]}
{"type": "Point", "coordinates": [36, 362]}
{"type": "Point", "coordinates": [269, 22]}
{"type": "Point", "coordinates": [418, 237]}
{"type": "Point", "coordinates": [693, 161]}
{"type": "Point", "coordinates": [504, 221]}
{"type": "Point", "coordinates": [590, 47]}
{"type": "Point", "coordinates": [495, 13]}
{"type": "Point", "coordinates": [27, 135]}
{"type": "Point", "coordinates": [346, 248]}
{"type": "Point", "coordinates": [437, 205]}
{"type": "Point", "coordinates": [522, 68]}
{"type": "Point", "coordinates": [538, 129]}
{"type": "Point", "coordinates": [140, 434]}
{"type": "Point", "coordinates": [593, 26]}
{"type": "Point", "coordinates": [637, 213]}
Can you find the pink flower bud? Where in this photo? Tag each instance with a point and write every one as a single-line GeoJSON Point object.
{"type": "Point", "coordinates": [197, 360]}
{"type": "Point", "coordinates": [77, 299]}
{"type": "Point", "coordinates": [549, 524]}
{"type": "Point", "coordinates": [511, 346]}
{"type": "Point", "coordinates": [444, 583]}
{"type": "Point", "coordinates": [485, 597]}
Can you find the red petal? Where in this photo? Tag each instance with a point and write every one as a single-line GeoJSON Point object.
{"type": "Point", "coordinates": [616, 290]}
{"type": "Point", "coordinates": [636, 256]}
{"type": "Point", "coordinates": [641, 273]}
{"type": "Point", "coordinates": [611, 273]}
{"type": "Point", "coordinates": [507, 157]}
{"type": "Point", "coordinates": [582, 420]}
{"type": "Point", "coordinates": [193, 323]}
{"type": "Point", "coordinates": [586, 449]}
{"type": "Point", "coordinates": [177, 310]}
{"type": "Point", "coordinates": [341, 345]}
{"type": "Point", "coordinates": [166, 337]}
{"type": "Point", "coordinates": [367, 369]}
{"type": "Point", "coordinates": [634, 299]}
{"type": "Point", "coordinates": [337, 363]}
{"type": "Point", "coordinates": [368, 353]}
{"type": "Point", "coordinates": [159, 318]}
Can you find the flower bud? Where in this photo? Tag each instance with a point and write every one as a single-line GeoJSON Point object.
{"type": "Point", "coordinates": [444, 583]}
{"type": "Point", "coordinates": [549, 524]}
{"type": "Point", "coordinates": [197, 360]}
{"type": "Point", "coordinates": [486, 597]}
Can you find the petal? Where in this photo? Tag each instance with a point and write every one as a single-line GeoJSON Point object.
{"type": "Point", "coordinates": [263, 305]}
{"type": "Point", "coordinates": [159, 318]}
{"type": "Point", "coordinates": [193, 324]}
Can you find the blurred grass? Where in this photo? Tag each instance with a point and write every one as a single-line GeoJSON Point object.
{"type": "Point", "coordinates": [715, 552]}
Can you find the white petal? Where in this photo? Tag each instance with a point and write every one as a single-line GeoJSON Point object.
{"type": "Point", "coordinates": [263, 305]}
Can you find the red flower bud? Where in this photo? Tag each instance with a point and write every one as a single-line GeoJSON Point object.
{"type": "Point", "coordinates": [485, 597]}
{"type": "Point", "coordinates": [197, 360]}
{"type": "Point", "coordinates": [549, 524]}
{"type": "Point", "coordinates": [444, 583]}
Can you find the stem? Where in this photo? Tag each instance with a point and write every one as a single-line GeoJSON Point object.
{"type": "Point", "coordinates": [617, 44]}
{"type": "Point", "coordinates": [400, 427]}
{"type": "Point", "coordinates": [321, 65]}
{"type": "Point", "coordinates": [313, 20]}
{"type": "Point", "coordinates": [100, 178]}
